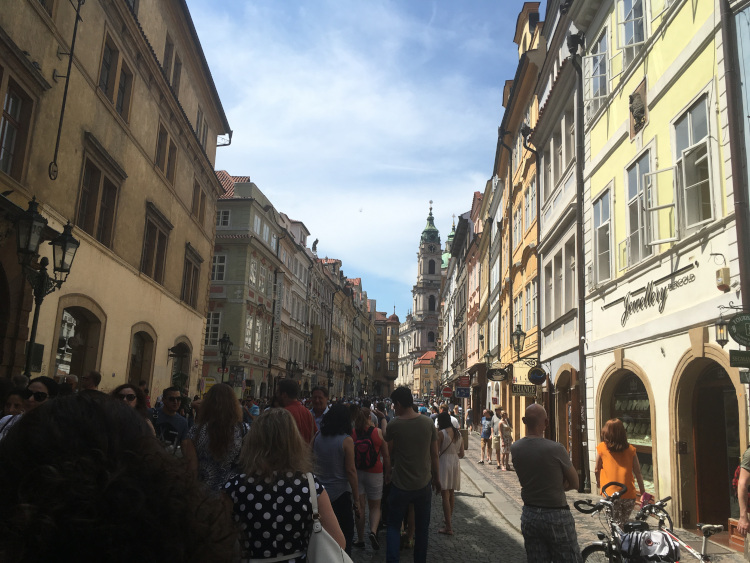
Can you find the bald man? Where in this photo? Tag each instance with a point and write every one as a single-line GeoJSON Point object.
{"type": "Point", "coordinates": [545, 473]}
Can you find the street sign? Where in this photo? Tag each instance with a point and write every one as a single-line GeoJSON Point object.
{"type": "Point", "coordinates": [463, 392]}
{"type": "Point", "coordinates": [739, 358]}
{"type": "Point", "coordinates": [464, 381]}
{"type": "Point", "coordinates": [739, 328]}
{"type": "Point", "coordinates": [447, 392]}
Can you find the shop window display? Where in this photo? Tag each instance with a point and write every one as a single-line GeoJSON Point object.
{"type": "Point", "coordinates": [630, 404]}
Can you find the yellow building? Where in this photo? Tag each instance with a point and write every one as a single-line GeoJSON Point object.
{"type": "Point", "coordinates": [660, 228]}
{"type": "Point", "coordinates": [133, 172]}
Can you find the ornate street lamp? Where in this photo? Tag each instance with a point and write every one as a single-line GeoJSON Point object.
{"type": "Point", "coordinates": [291, 368]}
{"type": "Point", "coordinates": [29, 228]}
{"type": "Point", "coordinates": [517, 339]}
{"type": "Point", "coordinates": [225, 349]}
{"type": "Point", "coordinates": [722, 332]}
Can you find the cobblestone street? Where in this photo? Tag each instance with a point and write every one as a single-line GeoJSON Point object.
{"type": "Point", "coordinates": [487, 521]}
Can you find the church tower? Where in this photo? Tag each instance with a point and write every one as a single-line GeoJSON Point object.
{"type": "Point", "coordinates": [426, 292]}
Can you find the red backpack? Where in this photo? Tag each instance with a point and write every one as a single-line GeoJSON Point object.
{"type": "Point", "coordinates": [365, 455]}
{"type": "Point", "coordinates": [736, 483]}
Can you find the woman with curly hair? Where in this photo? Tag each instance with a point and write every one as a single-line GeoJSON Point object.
{"type": "Point", "coordinates": [275, 461]}
{"type": "Point", "coordinates": [616, 460]}
{"type": "Point", "coordinates": [214, 444]}
{"type": "Point", "coordinates": [82, 478]}
{"type": "Point", "coordinates": [133, 396]}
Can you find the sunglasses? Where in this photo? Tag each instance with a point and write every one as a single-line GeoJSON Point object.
{"type": "Point", "coordinates": [127, 396]}
{"type": "Point", "coordinates": [39, 396]}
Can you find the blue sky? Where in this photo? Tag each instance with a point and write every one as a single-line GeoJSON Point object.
{"type": "Point", "coordinates": [351, 115]}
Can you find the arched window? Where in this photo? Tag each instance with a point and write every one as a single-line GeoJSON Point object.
{"type": "Point", "coordinates": [431, 267]}
{"type": "Point", "coordinates": [431, 306]}
{"type": "Point", "coordinates": [430, 336]}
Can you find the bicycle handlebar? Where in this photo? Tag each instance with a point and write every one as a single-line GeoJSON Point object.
{"type": "Point", "coordinates": [591, 508]}
{"type": "Point", "coordinates": [616, 494]}
{"type": "Point", "coordinates": [647, 509]}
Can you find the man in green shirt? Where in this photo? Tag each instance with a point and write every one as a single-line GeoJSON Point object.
{"type": "Point", "coordinates": [412, 442]}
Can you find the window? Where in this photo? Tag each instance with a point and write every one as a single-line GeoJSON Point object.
{"type": "Point", "coordinates": [155, 244]}
{"type": "Point", "coordinates": [430, 336]}
{"type": "Point", "coordinates": [168, 56]}
{"type": "Point", "coordinates": [262, 277]}
{"type": "Point", "coordinates": [166, 153]}
{"type": "Point", "coordinates": [47, 5]}
{"type": "Point", "coordinates": [249, 332]}
{"type": "Point", "coordinates": [431, 267]}
{"type": "Point", "coordinates": [201, 128]}
{"type": "Point", "coordinates": [219, 267]}
{"type": "Point", "coordinates": [391, 366]}
{"type": "Point", "coordinates": [266, 233]}
{"type": "Point", "coordinates": [172, 65]}
{"type": "Point", "coordinates": [602, 238]}
{"type": "Point", "coordinates": [693, 165]}
{"type": "Point", "coordinates": [199, 203]}
{"type": "Point", "coordinates": [115, 78]}
{"type": "Point", "coordinates": [269, 285]}
{"type": "Point", "coordinates": [569, 133]}
{"type": "Point", "coordinates": [96, 206]}
{"type": "Point", "coordinates": [222, 218]}
{"type": "Point", "coordinates": [14, 127]}
{"type": "Point", "coordinates": [431, 303]}
{"type": "Point", "coordinates": [534, 303]}
{"type": "Point", "coordinates": [394, 348]}
{"type": "Point", "coordinates": [257, 224]}
{"type": "Point", "coordinates": [528, 324]}
{"type": "Point", "coordinates": [377, 365]}
{"type": "Point", "coordinates": [259, 322]}
{"type": "Point", "coordinates": [379, 330]}
{"type": "Point", "coordinates": [176, 74]}
{"type": "Point", "coordinates": [518, 310]}
{"type": "Point", "coordinates": [253, 276]}
{"type": "Point", "coordinates": [274, 241]}
{"type": "Point", "coordinates": [636, 247]}
{"type": "Point", "coordinates": [213, 324]}
{"type": "Point", "coordinates": [378, 347]}
{"type": "Point", "coordinates": [517, 226]}
{"type": "Point", "coordinates": [596, 84]}
{"type": "Point", "coordinates": [191, 276]}
{"type": "Point", "coordinates": [529, 203]}
{"type": "Point", "coordinates": [632, 30]}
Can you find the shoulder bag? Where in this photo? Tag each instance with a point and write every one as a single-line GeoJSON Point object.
{"type": "Point", "coordinates": [322, 547]}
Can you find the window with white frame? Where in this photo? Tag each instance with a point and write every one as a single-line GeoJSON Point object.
{"type": "Point", "coordinates": [602, 238]}
{"type": "Point", "coordinates": [222, 217]}
{"type": "Point", "coordinates": [693, 165]}
{"type": "Point", "coordinates": [527, 306]}
{"type": "Point", "coordinates": [258, 343]}
{"type": "Point", "coordinates": [517, 226]}
{"type": "Point", "coordinates": [257, 224]}
{"type": "Point", "coordinates": [631, 28]}
{"type": "Point", "coordinates": [534, 297]}
{"type": "Point", "coordinates": [219, 267]}
{"type": "Point", "coordinates": [213, 325]}
{"type": "Point", "coordinates": [249, 328]}
{"type": "Point", "coordinates": [635, 247]}
{"type": "Point", "coordinates": [262, 277]}
{"type": "Point", "coordinates": [266, 233]}
{"type": "Point", "coordinates": [274, 241]}
{"type": "Point", "coordinates": [269, 285]}
{"type": "Point", "coordinates": [518, 310]}
{"type": "Point", "coordinates": [595, 77]}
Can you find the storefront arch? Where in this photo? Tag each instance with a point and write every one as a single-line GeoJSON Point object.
{"type": "Point", "coordinates": [635, 406]}
{"type": "Point", "coordinates": [692, 377]}
{"type": "Point", "coordinates": [78, 341]}
{"type": "Point", "coordinates": [565, 408]}
{"type": "Point", "coordinates": [141, 355]}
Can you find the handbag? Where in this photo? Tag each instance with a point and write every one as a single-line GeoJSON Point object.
{"type": "Point", "coordinates": [322, 547]}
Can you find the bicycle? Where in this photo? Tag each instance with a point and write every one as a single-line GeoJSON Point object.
{"type": "Point", "coordinates": [610, 546]}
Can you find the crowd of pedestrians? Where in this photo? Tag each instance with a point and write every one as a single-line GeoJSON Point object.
{"type": "Point", "coordinates": [107, 477]}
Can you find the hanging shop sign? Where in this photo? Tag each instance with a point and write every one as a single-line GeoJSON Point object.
{"type": "Point", "coordinates": [521, 385]}
{"type": "Point", "coordinates": [537, 375]}
{"type": "Point", "coordinates": [739, 329]}
{"type": "Point", "coordinates": [654, 294]}
{"type": "Point", "coordinates": [739, 358]}
{"type": "Point", "coordinates": [463, 392]}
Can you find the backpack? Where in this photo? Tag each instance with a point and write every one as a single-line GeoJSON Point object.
{"type": "Point", "coordinates": [365, 455]}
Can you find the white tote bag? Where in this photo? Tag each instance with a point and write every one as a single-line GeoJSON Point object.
{"type": "Point", "coordinates": [322, 547]}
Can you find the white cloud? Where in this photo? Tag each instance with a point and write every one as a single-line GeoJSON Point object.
{"type": "Point", "coordinates": [378, 106]}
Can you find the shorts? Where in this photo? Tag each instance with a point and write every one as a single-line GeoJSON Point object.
{"type": "Point", "coordinates": [487, 442]}
{"type": "Point", "coordinates": [370, 484]}
{"type": "Point", "coordinates": [496, 443]}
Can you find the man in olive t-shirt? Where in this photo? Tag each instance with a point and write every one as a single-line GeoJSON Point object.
{"type": "Point", "coordinates": [412, 442]}
{"type": "Point", "coordinates": [545, 473]}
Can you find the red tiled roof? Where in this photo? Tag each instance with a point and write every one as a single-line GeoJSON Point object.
{"type": "Point", "coordinates": [393, 318]}
{"type": "Point", "coordinates": [379, 316]}
{"type": "Point", "coordinates": [228, 182]}
{"type": "Point", "coordinates": [426, 358]}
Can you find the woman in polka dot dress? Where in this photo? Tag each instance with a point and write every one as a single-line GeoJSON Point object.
{"type": "Point", "coordinates": [271, 499]}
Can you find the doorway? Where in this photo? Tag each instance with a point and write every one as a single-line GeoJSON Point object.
{"type": "Point", "coordinates": [716, 443]}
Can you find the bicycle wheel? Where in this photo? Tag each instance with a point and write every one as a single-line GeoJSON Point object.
{"type": "Point", "coordinates": [595, 554]}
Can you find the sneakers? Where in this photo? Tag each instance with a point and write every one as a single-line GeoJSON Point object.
{"type": "Point", "coordinates": [481, 461]}
{"type": "Point", "coordinates": [374, 541]}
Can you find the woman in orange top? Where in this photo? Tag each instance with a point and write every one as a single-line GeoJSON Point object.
{"type": "Point", "coordinates": [616, 460]}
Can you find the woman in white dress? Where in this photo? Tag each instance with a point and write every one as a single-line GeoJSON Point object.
{"type": "Point", "coordinates": [451, 449]}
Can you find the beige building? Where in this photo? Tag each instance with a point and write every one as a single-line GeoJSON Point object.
{"type": "Point", "coordinates": [133, 173]}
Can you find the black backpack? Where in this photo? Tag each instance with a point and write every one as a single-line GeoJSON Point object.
{"type": "Point", "coordinates": [365, 455]}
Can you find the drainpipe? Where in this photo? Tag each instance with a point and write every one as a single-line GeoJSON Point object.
{"type": "Point", "coordinates": [741, 210]}
{"type": "Point", "coordinates": [574, 42]}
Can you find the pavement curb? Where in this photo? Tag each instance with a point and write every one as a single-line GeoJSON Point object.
{"type": "Point", "coordinates": [498, 499]}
